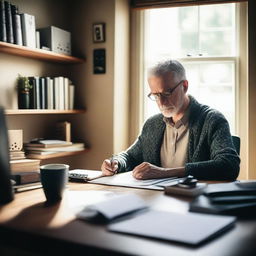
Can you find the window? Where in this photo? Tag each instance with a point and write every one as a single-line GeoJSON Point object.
{"type": "Point", "coordinates": [204, 39]}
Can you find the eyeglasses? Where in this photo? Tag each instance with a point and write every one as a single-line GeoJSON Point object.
{"type": "Point", "coordinates": [167, 94]}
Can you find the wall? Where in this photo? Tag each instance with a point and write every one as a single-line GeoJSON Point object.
{"type": "Point", "coordinates": [99, 94]}
{"type": "Point", "coordinates": [105, 96]}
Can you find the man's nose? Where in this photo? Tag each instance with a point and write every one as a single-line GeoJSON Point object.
{"type": "Point", "coordinates": [163, 100]}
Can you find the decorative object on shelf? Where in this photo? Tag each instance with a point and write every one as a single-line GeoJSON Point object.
{"type": "Point", "coordinates": [15, 140]}
{"type": "Point", "coordinates": [99, 32]}
{"type": "Point", "coordinates": [63, 131]}
{"type": "Point", "coordinates": [56, 39]}
{"type": "Point", "coordinates": [24, 88]}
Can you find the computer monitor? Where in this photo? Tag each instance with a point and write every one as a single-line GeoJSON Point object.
{"type": "Point", "coordinates": [6, 191]}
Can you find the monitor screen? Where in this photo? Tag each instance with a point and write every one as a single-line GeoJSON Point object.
{"type": "Point", "coordinates": [6, 191]}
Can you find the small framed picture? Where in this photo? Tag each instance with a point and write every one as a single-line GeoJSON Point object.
{"type": "Point", "coordinates": [98, 32]}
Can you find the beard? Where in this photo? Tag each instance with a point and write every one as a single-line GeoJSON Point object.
{"type": "Point", "coordinates": [168, 111]}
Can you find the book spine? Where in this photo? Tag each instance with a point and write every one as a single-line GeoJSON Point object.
{"type": "Point", "coordinates": [38, 39]}
{"type": "Point", "coordinates": [28, 30]}
{"type": "Point", "coordinates": [61, 92]}
{"type": "Point", "coordinates": [66, 93]}
{"type": "Point", "coordinates": [32, 95]}
{"type": "Point", "coordinates": [42, 93]}
{"type": "Point", "coordinates": [56, 92]}
{"type": "Point", "coordinates": [9, 27]}
{"type": "Point", "coordinates": [37, 93]}
{"type": "Point", "coordinates": [16, 25]}
{"type": "Point", "coordinates": [3, 34]}
{"type": "Point", "coordinates": [71, 96]}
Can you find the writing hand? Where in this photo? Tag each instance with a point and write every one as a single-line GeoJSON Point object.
{"type": "Point", "coordinates": [109, 167]}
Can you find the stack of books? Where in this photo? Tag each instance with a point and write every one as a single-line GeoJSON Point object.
{"type": "Point", "coordinates": [40, 148]}
{"type": "Point", "coordinates": [17, 155]}
{"type": "Point", "coordinates": [25, 173]}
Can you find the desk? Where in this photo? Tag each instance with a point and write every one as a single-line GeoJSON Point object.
{"type": "Point", "coordinates": [27, 224]}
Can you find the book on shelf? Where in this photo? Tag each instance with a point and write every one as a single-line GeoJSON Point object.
{"type": "Point", "coordinates": [61, 93]}
{"type": "Point", "coordinates": [43, 93]}
{"type": "Point", "coordinates": [49, 92]}
{"type": "Point", "coordinates": [25, 177]}
{"type": "Point", "coordinates": [16, 22]}
{"type": "Point", "coordinates": [16, 155]}
{"type": "Point", "coordinates": [28, 30]}
{"type": "Point", "coordinates": [24, 165]}
{"type": "Point", "coordinates": [56, 93]}
{"type": "Point", "coordinates": [73, 147]}
{"type": "Point", "coordinates": [8, 17]}
{"type": "Point", "coordinates": [34, 92]}
{"type": "Point", "coordinates": [48, 143]}
{"type": "Point", "coordinates": [71, 98]}
{"type": "Point", "coordinates": [66, 93]}
{"type": "Point", "coordinates": [3, 32]}
{"type": "Point", "coordinates": [38, 39]}
{"type": "Point", "coordinates": [63, 131]}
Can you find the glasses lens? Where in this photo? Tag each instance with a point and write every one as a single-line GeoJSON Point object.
{"type": "Point", "coordinates": [153, 97]}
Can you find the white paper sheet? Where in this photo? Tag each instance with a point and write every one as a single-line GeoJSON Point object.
{"type": "Point", "coordinates": [126, 179]}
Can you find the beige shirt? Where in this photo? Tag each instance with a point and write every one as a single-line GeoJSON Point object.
{"type": "Point", "coordinates": [175, 142]}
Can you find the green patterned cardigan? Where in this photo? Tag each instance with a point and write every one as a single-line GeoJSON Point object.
{"type": "Point", "coordinates": [211, 154]}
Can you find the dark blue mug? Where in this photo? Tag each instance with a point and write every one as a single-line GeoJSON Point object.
{"type": "Point", "coordinates": [54, 179]}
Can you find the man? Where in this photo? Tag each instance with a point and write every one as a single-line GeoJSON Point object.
{"type": "Point", "coordinates": [187, 138]}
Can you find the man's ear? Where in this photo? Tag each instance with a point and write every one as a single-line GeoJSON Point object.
{"type": "Point", "coordinates": [185, 86]}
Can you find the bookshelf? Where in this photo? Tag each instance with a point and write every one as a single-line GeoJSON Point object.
{"type": "Point", "coordinates": [42, 111]}
{"type": "Point", "coordinates": [39, 54]}
{"type": "Point", "coordinates": [16, 59]}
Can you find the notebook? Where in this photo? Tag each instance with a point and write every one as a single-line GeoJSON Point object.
{"type": "Point", "coordinates": [189, 228]}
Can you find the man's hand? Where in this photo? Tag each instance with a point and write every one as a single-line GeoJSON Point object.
{"type": "Point", "coordinates": [148, 171]}
{"type": "Point", "coordinates": [109, 168]}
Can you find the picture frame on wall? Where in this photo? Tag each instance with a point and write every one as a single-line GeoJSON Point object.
{"type": "Point", "coordinates": [99, 32]}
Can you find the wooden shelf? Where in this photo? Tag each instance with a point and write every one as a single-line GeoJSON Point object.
{"type": "Point", "coordinates": [38, 54]}
{"type": "Point", "coordinates": [59, 154]}
{"type": "Point", "coordinates": [42, 111]}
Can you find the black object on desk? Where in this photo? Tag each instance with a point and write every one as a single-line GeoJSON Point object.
{"type": "Point", "coordinates": [6, 192]}
{"type": "Point", "coordinates": [227, 198]}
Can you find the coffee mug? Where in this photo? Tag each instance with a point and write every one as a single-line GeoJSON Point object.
{"type": "Point", "coordinates": [54, 178]}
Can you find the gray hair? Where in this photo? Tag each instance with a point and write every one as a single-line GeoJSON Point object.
{"type": "Point", "coordinates": [168, 66]}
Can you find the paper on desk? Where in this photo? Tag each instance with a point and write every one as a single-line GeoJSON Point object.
{"type": "Point", "coordinates": [185, 228]}
{"type": "Point", "coordinates": [126, 179]}
{"type": "Point", "coordinates": [112, 207]}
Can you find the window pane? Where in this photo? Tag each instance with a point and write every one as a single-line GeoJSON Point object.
{"type": "Point", "coordinates": [217, 16]}
{"type": "Point", "coordinates": [212, 84]}
{"type": "Point", "coordinates": [182, 32]}
{"type": "Point", "coordinates": [219, 43]}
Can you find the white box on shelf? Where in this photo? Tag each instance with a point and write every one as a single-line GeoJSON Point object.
{"type": "Point", "coordinates": [58, 40]}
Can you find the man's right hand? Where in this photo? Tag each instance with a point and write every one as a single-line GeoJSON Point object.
{"type": "Point", "coordinates": [109, 168]}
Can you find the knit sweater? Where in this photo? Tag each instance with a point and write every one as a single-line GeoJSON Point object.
{"type": "Point", "coordinates": [210, 156]}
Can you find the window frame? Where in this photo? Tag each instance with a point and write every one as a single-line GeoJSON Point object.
{"type": "Point", "coordinates": [242, 79]}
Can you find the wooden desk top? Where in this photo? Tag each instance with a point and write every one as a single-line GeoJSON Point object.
{"type": "Point", "coordinates": [28, 224]}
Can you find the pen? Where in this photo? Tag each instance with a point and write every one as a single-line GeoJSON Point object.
{"type": "Point", "coordinates": [111, 162]}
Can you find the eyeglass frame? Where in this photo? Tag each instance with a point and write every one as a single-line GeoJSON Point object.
{"type": "Point", "coordinates": [166, 94]}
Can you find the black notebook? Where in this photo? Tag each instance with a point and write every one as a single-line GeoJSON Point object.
{"type": "Point", "coordinates": [233, 198]}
